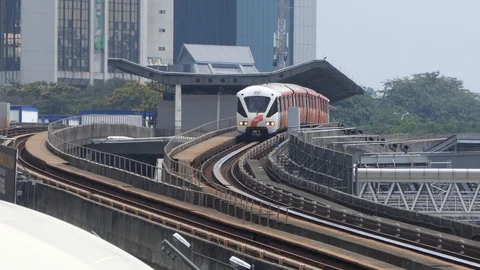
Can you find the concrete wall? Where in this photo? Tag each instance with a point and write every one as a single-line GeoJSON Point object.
{"type": "Point", "coordinates": [196, 110]}
{"type": "Point", "coordinates": [83, 135]}
{"type": "Point", "coordinates": [304, 31]}
{"type": "Point", "coordinates": [412, 217]}
{"type": "Point", "coordinates": [137, 236]}
{"type": "Point", "coordinates": [39, 41]}
{"type": "Point", "coordinates": [160, 16]}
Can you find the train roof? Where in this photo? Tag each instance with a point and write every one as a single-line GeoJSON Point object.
{"type": "Point", "coordinates": [284, 88]}
{"type": "Point", "coordinates": [33, 240]}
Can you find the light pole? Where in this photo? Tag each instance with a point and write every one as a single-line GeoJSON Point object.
{"type": "Point", "coordinates": [403, 115]}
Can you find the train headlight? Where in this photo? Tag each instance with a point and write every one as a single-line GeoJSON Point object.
{"type": "Point", "coordinates": [270, 123]}
{"type": "Point", "coordinates": [243, 123]}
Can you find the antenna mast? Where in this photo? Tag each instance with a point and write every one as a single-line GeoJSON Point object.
{"type": "Point", "coordinates": [280, 38]}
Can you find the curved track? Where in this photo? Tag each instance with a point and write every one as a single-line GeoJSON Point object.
{"type": "Point", "coordinates": [279, 251]}
{"type": "Point", "coordinates": [229, 163]}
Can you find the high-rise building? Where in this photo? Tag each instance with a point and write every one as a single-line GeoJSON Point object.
{"type": "Point", "coordinates": [71, 40]}
{"type": "Point", "coordinates": [10, 40]}
{"type": "Point", "coordinates": [247, 23]}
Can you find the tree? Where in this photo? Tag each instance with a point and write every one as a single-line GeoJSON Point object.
{"type": "Point", "coordinates": [135, 96]}
{"type": "Point", "coordinates": [435, 104]}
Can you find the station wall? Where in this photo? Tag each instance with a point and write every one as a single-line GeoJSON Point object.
{"type": "Point", "coordinates": [196, 110]}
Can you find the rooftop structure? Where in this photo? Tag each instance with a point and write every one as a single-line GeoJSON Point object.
{"type": "Point", "coordinates": [216, 59]}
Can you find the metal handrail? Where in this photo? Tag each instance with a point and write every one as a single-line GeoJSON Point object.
{"type": "Point", "coordinates": [74, 148]}
{"type": "Point", "coordinates": [187, 139]}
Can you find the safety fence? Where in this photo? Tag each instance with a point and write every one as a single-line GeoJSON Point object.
{"type": "Point", "coordinates": [369, 207]}
{"type": "Point", "coordinates": [67, 140]}
{"type": "Point", "coordinates": [186, 171]}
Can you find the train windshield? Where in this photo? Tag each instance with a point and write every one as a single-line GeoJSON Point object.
{"type": "Point", "coordinates": [257, 104]}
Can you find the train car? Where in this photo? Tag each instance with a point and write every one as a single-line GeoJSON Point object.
{"type": "Point", "coordinates": [262, 109]}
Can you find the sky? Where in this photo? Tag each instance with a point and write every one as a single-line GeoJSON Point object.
{"type": "Point", "coordinates": [372, 41]}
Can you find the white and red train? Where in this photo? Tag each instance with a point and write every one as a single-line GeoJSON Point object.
{"type": "Point", "coordinates": [262, 109]}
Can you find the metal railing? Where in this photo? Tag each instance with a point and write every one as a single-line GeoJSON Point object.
{"type": "Point", "coordinates": [177, 144]}
{"type": "Point", "coordinates": [67, 137]}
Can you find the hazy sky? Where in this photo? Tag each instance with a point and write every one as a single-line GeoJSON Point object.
{"type": "Point", "coordinates": [372, 41]}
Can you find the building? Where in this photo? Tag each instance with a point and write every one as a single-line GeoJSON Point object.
{"type": "Point", "coordinates": [23, 114]}
{"type": "Point", "coordinates": [247, 23]}
{"type": "Point", "coordinates": [70, 40]}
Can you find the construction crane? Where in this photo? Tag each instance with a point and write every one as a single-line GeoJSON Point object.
{"type": "Point", "coordinates": [280, 38]}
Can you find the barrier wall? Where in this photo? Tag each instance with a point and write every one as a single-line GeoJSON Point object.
{"type": "Point", "coordinates": [135, 235]}
{"type": "Point", "coordinates": [436, 223]}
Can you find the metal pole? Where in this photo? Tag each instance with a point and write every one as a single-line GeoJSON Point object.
{"type": "Point", "coordinates": [189, 263]}
{"type": "Point", "coordinates": [178, 109]}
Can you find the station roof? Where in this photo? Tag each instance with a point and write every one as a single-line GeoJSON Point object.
{"type": "Point", "coordinates": [33, 240]}
{"type": "Point", "coordinates": [219, 54]}
{"type": "Point", "coordinates": [318, 75]}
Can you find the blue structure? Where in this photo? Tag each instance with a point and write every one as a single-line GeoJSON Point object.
{"type": "Point", "coordinates": [51, 118]}
{"type": "Point", "coordinates": [23, 114]}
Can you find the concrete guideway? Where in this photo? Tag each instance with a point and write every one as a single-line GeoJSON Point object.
{"type": "Point", "coordinates": [341, 227]}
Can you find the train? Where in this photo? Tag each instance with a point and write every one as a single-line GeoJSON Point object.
{"type": "Point", "coordinates": [262, 109]}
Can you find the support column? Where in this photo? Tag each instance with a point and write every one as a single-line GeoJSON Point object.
{"type": "Point", "coordinates": [218, 107]}
{"type": "Point", "coordinates": [105, 41]}
{"type": "Point", "coordinates": [178, 109]}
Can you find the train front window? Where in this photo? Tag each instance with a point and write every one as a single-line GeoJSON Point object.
{"type": "Point", "coordinates": [257, 104]}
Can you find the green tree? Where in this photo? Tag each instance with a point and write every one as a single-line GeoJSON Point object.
{"type": "Point", "coordinates": [135, 96]}
{"type": "Point", "coordinates": [435, 104]}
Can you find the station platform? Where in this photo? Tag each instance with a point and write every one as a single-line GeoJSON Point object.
{"type": "Point", "coordinates": [36, 146]}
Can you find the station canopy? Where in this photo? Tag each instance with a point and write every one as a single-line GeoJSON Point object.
{"type": "Point", "coordinates": [319, 75]}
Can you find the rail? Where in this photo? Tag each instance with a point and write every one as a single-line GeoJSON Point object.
{"type": "Point", "coordinates": [177, 144]}
{"type": "Point", "coordinates": [68, 136]}
{"type": "Point", "coordinates": [414, 238]}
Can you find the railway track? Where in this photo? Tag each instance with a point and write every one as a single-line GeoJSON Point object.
{"type": "Point", "coordinates": [226, 172]}
{"type": "Point", "coordinates": [279, 251]}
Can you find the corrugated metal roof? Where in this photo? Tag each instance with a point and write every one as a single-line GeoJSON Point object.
{"type": "Point", "coordinates": [219, 54]}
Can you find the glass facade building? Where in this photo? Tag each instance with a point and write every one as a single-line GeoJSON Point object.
{"type": "Point", "coordinates": [10, 38]}
{"type": "Point", "coordinates": [73, 35]}
{"type": "Point", "coordinates": [231, 22]}
{"type": "Point", "coordinates": [124, 29]}
{"type": "Point", "coordinates": [255, 25]}
{"type": "Point", "coordinates": [209, 22]}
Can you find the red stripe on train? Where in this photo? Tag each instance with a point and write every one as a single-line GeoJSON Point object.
{"type": "Point", "coordinates": [257, 120]}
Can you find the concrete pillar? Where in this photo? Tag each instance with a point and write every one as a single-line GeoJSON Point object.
{"type": "Point", "coordinates": [178, 109]}
{"type": "Point", "coordinates": [218, 107]}
{"type": "Point", "coordinates": [105, 41]}
{"type": "Point", "coordinates": [92, 41]}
